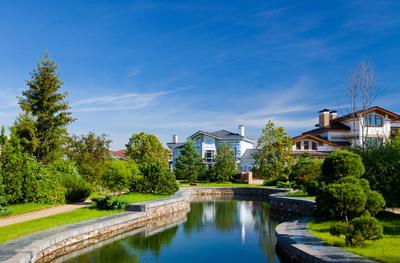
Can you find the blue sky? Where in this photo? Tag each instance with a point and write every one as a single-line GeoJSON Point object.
{"type": "Point", "coordinates": [168, 67]}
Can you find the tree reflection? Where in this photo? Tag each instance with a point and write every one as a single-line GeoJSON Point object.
{"type": "Point", "coordinates": [266, 229]}
{"type": "Point", "coordinates": [194, 218]}
{"type": "Point", "coordinates": [225, 215]}
{"type": "Point", "coordinates": [153, 243]}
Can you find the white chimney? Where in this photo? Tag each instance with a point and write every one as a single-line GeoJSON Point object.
{"type": "Point", "coordinates": [174, 138]}
{"type": "Point", "coordinates": [241, 130]}
{"type": "Point", "coordinates": [333, 114]}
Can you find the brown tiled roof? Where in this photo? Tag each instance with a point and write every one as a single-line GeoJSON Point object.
{"type": "Point", "coordinates": [332, 126]}
{"type": "Point", "coordinates": [120, 154]}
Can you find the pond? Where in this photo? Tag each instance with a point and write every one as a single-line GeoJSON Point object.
{"type": "Point", "coordinates": [213, 231]}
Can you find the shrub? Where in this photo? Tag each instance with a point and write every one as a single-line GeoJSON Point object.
{"type": "Point", "coordinates": [109, 203]}
{"type": "Point", "coordinates": [383, 170]}
{"type": "Point", "coordinates": [4, 210]}
{"type": "Point", "coordinates": [340, 164]}
{"type": "Point", "coordinates": [49, 187]}
{"type": "Point", "coordinates": [275, 181]}
{"type": "Point", "coordinates": [118, 175]}
{"type": "Point", "coordinates": [358, 230]}
{"type": "Point", "coordinates": [305, 174]}
{"type": "Point", "coordinates": [348, 198]}
{"type": "Point", "coordinates": [76, 188]}
{"type": "Point", "coordinates": [156, 179]}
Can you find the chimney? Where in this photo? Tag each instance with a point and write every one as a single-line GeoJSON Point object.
{"type": "Point", "coordinates": [324, 118]}
{"type": "Point", "coordinates": [174, 138]}
{"type": "Point", "coordinates": [332, 114]}
{"type": "Point", "coordinates": [241, 130]}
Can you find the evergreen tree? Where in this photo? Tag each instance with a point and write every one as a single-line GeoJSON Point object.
{"type": "Point", "coordinates": [45, 103]}
{"type": "Point", "coordinates": [224, 168]}
{"type": "Point", "coordinates": [25, 129]}
{"type": "Point", "coordinates": [273, 158]}
{"type": "Point", "coordinates": [189, 164]}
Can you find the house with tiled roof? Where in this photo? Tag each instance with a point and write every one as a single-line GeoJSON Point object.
{"type": "Point", "coordinates": [119, 154]}
{"type": "Point", "coordinates": [362, 128]}
{"type": "Point", "coordinates": [206, 144]}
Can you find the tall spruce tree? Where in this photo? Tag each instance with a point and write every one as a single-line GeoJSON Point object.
{"type": "Point", "coordinates": [45, 103]}
{"type": "Point", "coordinates": [224, 168]}
{"type": "Point", "coordinates": [189, 164]}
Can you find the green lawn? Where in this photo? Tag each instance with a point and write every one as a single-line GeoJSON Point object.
{"type": "Point", "coordinates": [20, 229]}
{"type": "Point", "coordinates": [384, 250]}
{"type": "Point", "coordinates": [26, 208]}
{"type": "Point", "coordinates": [300, 194]}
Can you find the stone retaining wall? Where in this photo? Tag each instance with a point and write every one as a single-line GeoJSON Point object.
{"type": "Point", "coordinates": [291, 205]}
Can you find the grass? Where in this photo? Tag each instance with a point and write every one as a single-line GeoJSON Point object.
{"type": "Point", "coordinates": [26, 208]}
{"type": "Point", "coordinates": [300, 194]}
{"type": "Point", "coordinates": [24, 228]}
{"type": "Point", "coordinates": [383, 250]}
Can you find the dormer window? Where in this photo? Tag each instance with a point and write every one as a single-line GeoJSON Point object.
{"type": "Point", "coordinates": [373, 120]}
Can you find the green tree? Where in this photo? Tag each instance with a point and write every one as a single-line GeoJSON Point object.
{"type": "Point", "coordinates": [146, 148]}
{"type": "Point", "coordinates": [273, 158]}
{"type": "Point", "coordinates": [340, 164]}
{"type": "Point", "coordinates": [118, 175]}
{"type": "Point", "coordinates": [224, 168]}
{"type": "Point", "coordinates": [305, 174]}
{"type": "Point", "coordinates": [25, 129]}
{"type": "Point", "coordinates": [189, 165]}
{"type": "Point", "coordinates": [90, 153]}
{"type": "Point", "coordinates": [45, 103]}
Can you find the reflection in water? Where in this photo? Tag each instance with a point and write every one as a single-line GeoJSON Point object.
{"type": "Point", "coordinates": [215, 231]}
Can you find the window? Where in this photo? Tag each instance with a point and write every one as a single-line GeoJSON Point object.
{"type": "Point", "coordinates": [373, 141]}
{"type": "Point", "coordinates": [314, 146]}
{"type": "Point", "coordinates": [298, 145]}
{"type": "Point", "coordinates": [306, 145]}
{"type": "Point", "coordinates": [373, 120]}
{"type": "Point", "coordinates": [209, 156]}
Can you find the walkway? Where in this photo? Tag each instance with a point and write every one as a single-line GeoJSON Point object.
{"type": "Point", "coordinates": [41, 213]}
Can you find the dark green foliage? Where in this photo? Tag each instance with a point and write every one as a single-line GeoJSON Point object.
{"type": "Point", "coordinates": [189, 165]}
{"type": "Point", "coordinates": [146, 148]}
{"type": "Point", "coordinates": [30, 168]}
{"type": "Point", "coordinates": [358, 230]}
{"type": "Point", "coordinates": [118, 175]}
{"type": "Point", "coordinates": [275, 181]}
{"type": "Point", "coordinates": [382, 167]}
{"type": "Point", "coordinates": [156, 178]}
{"type": "Point", "coordinates": [109, 203]}
{"type": "Point", "coordinates": [224, 168]}
{"type": "Point", "coordinates": [273, 157]}
{"type": "Point", "coordinates": [305, 174]}
{"type": "Point", "coordinates": [4, 210]}
{"type": "Point", "coordinates": [25, 129]}
{"type": "Point", "coordinates": [340, 164]}
{"type": "Point", "coordinates": [76, 188]}
{"type": "Point", "coordinates": [45, 103]}
{"type": "Point", "coordinates": [90, 153]}
{"type": "Point", "coordinates": [349, 197]}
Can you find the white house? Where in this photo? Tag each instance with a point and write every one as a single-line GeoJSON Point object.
{"type": "Point", "coordinates": [206, 144]}
{"type": "Point", "coordinates": [368, 127]}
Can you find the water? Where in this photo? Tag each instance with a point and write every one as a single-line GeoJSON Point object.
{"type": "Point", "coordinates": [216, 231]}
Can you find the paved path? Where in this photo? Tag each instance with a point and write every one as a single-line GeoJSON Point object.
{"type": "Point", "coordinates": [41, 213]}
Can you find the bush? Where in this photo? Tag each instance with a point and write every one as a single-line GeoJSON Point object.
{"type": "Point", "coordinates": [340, 164]}
{"type": "Point", "coordinates": [109, 203]}
{"type": "Point", "coordinates": [76, 188]}
{"type": "Point", "coordinates": [118, 175]}
{"type": "Point", "coordinates": [383, 170]}
{"type": "Point", "coordinates": [305, 174]}
{"type": "Point", "coordinates": [358, 230]}
{"type": "Point", "coordinates": [49, 188]}
{"type": "Point", "coordinates": [348, 198]}
{"type": "Point", "coordinates": [156, 179]}
{"type": "Point", "coordinates": [4, 210]}
{"type": "Point", "coordinates": [275, 181]}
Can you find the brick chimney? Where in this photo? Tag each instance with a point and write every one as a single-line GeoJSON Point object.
{"type": "Point", "coordinates": [332, 114]}
{"type": "Point", "coordinates": [324, 117]}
